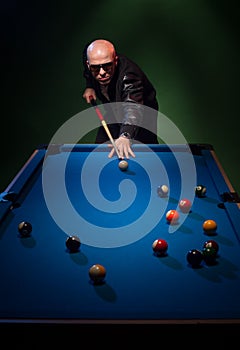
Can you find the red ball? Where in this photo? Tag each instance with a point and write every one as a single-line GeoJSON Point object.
{"type": "Point", "coordinates": [172, 216]}
{"type": "Point", "coordinates": [185, 205]}
{"type": "Point", "coordinates": [160, 246]}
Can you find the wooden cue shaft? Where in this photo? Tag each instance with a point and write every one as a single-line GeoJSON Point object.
{"type": "Point", "coordinates": [104, 124]}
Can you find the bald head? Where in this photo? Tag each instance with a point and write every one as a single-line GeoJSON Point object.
{"type": "Point", "coordinates": [102, 60]}
{"type": "Point", "coordinates": [100, 50]}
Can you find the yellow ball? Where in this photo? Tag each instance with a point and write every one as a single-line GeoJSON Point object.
{"type": "Point", "coordinates": [210, 226]}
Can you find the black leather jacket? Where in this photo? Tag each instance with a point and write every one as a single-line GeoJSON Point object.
{"type": "Point", "coordinates": [132, 87]}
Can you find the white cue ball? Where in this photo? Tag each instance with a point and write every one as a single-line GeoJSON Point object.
{"type": "Point", "coordinates": [123, 165]}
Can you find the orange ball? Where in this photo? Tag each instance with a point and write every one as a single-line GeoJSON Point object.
{"type": "Point", "coordinates": [210, 226]}
{"type": "Point", "coordinates": [97, 273]}
{"type": "Point", "coordinates": [172, 216]}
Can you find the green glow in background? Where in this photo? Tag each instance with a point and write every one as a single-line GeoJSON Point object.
{"type": "Point", "coordinates": [189, 50]}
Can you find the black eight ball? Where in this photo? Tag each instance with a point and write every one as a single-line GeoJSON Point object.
{"type": "Point", "coordinates": [25, 229]}
{"type": "Point", "coordinates": [73, 243]}
{"type": "Point", "coordinates": [200, 191]}
{"type": "Point", "coordinates": [195, 257]}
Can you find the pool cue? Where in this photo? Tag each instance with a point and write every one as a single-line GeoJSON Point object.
{"type": "Point", "coordinates": [104, 124]}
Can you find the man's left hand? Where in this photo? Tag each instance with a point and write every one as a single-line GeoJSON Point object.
{"type": "Point", "coordinates": [123, 145]}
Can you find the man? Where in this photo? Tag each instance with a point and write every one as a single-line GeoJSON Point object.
{"type": "Point", "coordinates": [112, 77]}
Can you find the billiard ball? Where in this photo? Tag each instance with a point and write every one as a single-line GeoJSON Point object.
{"type": "Point", "coordinates": [209, 255]}
{"type": "Point", "coordinates": [172, 216]}
{"type": "Point", "coordinates": [210, 227]}
{"type": "Point", "coordinates": [160, 247]}
{"type": "Point", "coordinates": [97, 273]}
{"type": "Point", "coordinates": [200, 191]}
{"type": "Point", "coordinates": [211, 244]}
{"type": "Point", "coordinates": [73, 243]}
{"type": "Point", "coordinates": [194, 257]}
{"type": "Point", "coordinates": [123, 165]}
{"type": "Point", "coordinates": [25, 229]}
{"type": "Point", "coordinates": [185, 205]}
{"type": "Point", "coordinates": [162, 191]}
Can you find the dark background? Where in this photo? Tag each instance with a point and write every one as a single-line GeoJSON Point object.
{"type": "Point", "coordinates": [189, 50]}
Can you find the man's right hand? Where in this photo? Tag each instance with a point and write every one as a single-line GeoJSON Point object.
{"type": "Point", "coordinates": [89, 92]}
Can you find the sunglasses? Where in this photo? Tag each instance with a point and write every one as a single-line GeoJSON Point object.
{"type": "Point", "coordinates": [95, 68]}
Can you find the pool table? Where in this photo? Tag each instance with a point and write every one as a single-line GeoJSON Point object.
{"type": "Point", "coordinates": [66, 190]}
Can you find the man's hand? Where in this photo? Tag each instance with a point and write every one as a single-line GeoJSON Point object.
{"type": "Point", "coordinates": [123, 145]}
{"type": "Point", "coordinates": [89, 92]}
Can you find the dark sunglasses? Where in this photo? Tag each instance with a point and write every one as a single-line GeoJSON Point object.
{"type": "Point", "coordinates": [95, 68]}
